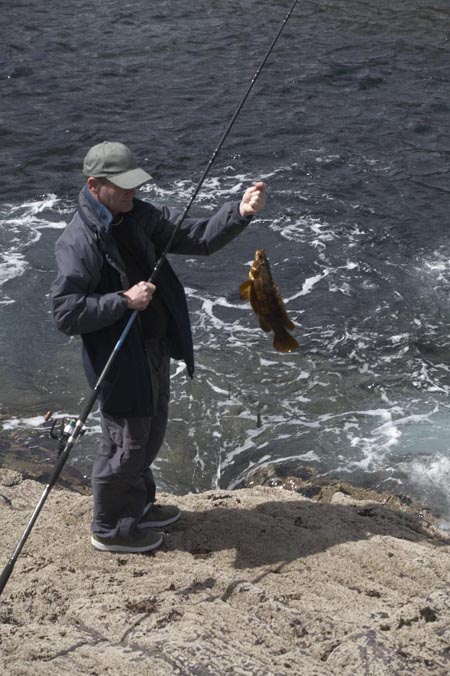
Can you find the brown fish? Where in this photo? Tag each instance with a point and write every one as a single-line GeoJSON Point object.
{"type": "Point", "coordinates": [265, 299]}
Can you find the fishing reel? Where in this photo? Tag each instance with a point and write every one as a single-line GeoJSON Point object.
{"type": "Point", "coordinates": [62, 429]}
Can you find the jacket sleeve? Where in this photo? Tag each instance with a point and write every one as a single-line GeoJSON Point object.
{"type": "Point", "coordinates": [76, 307]}
{"type": "Point", "coordinates": [201, 236]}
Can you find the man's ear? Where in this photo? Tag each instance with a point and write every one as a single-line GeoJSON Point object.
{"type": "Point", "coordinates": [93, 185]}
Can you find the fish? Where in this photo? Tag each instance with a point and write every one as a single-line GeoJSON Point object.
{"type": "Point", "coordinates": [267, 304]}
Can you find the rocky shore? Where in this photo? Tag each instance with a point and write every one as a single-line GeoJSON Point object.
{"type": "Point", "coordinates": [258, 581]}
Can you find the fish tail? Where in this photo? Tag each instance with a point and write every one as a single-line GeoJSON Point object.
{"type": "Point", "coordinates": [284, 342]}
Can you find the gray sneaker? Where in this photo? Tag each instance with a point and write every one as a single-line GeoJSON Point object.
{"type": "Point", "coordinates": [159, 516]}
{"type": "Point", "coordinates": [140, 542]}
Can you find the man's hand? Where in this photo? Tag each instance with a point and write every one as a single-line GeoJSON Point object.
{"type": "Point", "coordinates": [253, 200]}
{"type": "Point", "coordinates": [139, 295]}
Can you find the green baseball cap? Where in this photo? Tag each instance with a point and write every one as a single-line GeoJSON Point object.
{"type": "Point", "coordinates": [115, 162]}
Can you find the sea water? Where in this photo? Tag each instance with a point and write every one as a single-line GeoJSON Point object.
{"type": "Point", "coordinates": [348, 125]}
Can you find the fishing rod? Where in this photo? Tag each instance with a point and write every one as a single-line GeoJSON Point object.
{"type": "Point", "coordinates": [75, 428]}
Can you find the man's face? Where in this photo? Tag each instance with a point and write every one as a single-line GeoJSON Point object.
{"type": "Point", "coordinates": [116, 199]}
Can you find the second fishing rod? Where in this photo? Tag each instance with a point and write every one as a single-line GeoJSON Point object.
{"type": "Point", "coordinates": [74, 429]}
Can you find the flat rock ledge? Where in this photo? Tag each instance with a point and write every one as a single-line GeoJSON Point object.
{"type": "Point", "coordinates": [259, 581]}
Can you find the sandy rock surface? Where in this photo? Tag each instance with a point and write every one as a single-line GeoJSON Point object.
{"type": "Point", "coordinates": [257, 582]}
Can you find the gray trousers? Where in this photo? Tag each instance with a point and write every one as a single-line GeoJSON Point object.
{"type": "Point", "coordinates": [122, 478]}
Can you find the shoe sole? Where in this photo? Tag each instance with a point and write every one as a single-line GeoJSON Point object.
{"type": "Point", "coordinates": [158, 524]}
{"type": "Point", "coordinates": [125, 548]}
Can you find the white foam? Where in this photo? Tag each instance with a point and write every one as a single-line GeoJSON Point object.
{"type": "Point", "coordinates": [15, 423]}
{"type": "Point", "coordinates": [432, 476]}
{"type": "Point", "coordinates": [215, 189]}
{"type": "Point", "coordinates": [12, 264]}
{"type": "Point", "coordinates": [21, 226]}
{"type": "Point", "coordinates": [400, 338]}
{"type": "Point", "coordinates": [308, 285]}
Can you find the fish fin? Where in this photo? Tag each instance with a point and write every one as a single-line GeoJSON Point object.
{"type": "Point", "coordinates": [244, 290]}
{"type": "Point", "coordinates": [289, 324]}
{"type": "Point", "coordinates": [264, 324]}
{"type": "Point", "coordinates": [284, 342]}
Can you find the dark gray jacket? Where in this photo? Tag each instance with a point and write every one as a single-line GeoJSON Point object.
{"type": "Point", "coordinates": [87, 297]}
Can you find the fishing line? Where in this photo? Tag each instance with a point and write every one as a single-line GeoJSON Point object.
{"type": "Point", "coordinates": [75, 428]}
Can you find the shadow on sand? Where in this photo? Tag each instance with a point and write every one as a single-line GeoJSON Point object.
{"type": "Point", "coordinates": [283, 531]}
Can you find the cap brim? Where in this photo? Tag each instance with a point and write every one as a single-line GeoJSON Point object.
{"type": "Point", "coordinates": [130, 179]}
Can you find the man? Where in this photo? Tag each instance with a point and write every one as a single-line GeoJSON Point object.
{"type": "Point", "coordinates": [104, 257]}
